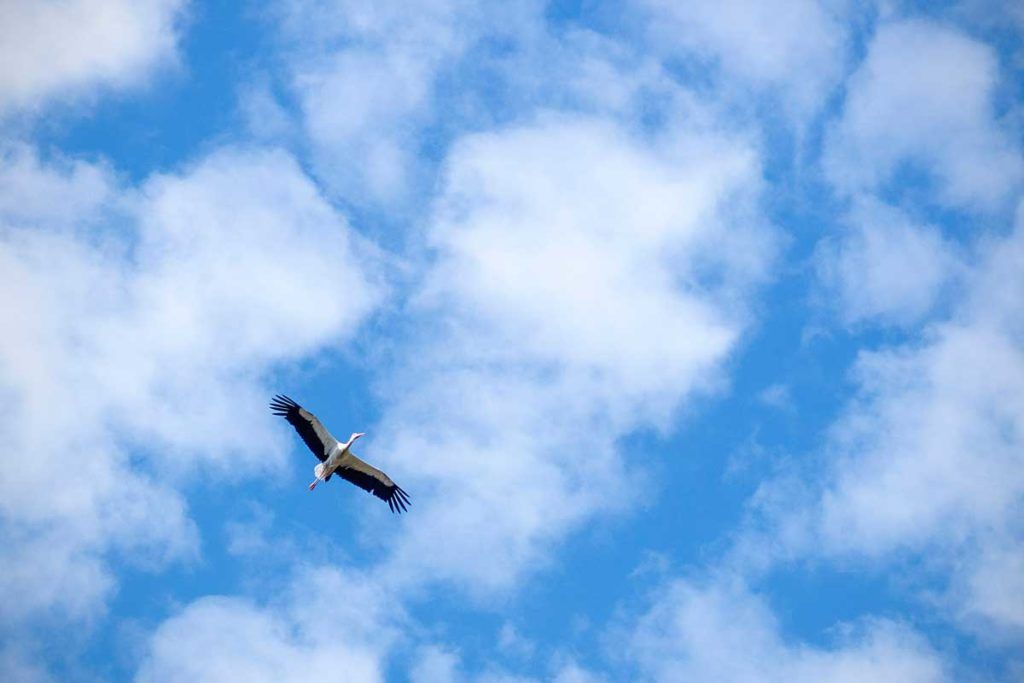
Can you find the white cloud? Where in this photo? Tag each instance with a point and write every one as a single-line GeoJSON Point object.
{"type": "Point", "coordinates": [365, 76]}
{"type": "Point", "coordinates": [926, 459]}
{"type": "Point", "coordinates": [247, 535]}
{"type": "Point", "coordinates": [265, 116]}
{"type": "Point", "coordinates": [63, 49]}
{"type": "Point", "coordinates": [571, 672]}
{"type": "Point", "coordinates": [887, 267]}
{"type": "Point", "coordinates": [513, 644]}
{"type": "Point", "coordinates": [328, 625]}
{"type": "Point", "coordinates": [435, 664]}
{"type": "Point", "coordinates": [796, 48]}
{"type": "Point", "coordinates": [923, 97]}
{"type": "Point", "coordinates": [20, 667]}
{"type": "Point", "coordinates": [539, 238]}
{"type": "Point", "coordinates": [930, 450]}
{"type": "Point", "coordinates": [720, 631]}
{"type": "Point", "coordinates": [989, 589]}
{"type": "Point", "coordinates": [139, 324]}
{"type": "Point", "coordinates": [28, 188]}
{"type": "Point", "coordinates": [382, 91]}
{"type": "Point", "coordinates": [586, 282]}
{"type": "Point", "coordinates": [778, 396]}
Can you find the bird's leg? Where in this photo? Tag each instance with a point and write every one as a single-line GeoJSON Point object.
{"type": "Point", "coordinates": [319, 472]}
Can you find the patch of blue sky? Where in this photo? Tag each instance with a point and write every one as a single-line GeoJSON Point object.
{"type": "Point", "coordinates": [186, 109]}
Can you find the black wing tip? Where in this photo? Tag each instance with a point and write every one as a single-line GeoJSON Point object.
{"type": "Point", "coordinates": [398, 501]}
{"type": "Point", "coordinates": [282, 405]}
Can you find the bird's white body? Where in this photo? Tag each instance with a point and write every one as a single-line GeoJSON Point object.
{"type": "Point", "coordinates": [330, 464]}
{"type": "Point", "coordinates": [332, 461]}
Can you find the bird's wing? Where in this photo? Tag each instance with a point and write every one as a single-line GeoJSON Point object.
{"type": "Point", "coordinates": [309, 428]}
{"type": "Point", "coordinates": [369, 478]}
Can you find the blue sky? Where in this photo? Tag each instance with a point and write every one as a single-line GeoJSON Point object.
{"type": "Point", "coordinates": [694, 331]}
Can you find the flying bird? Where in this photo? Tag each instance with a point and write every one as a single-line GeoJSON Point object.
{"type": "Point", "coordinates": [336, 458]}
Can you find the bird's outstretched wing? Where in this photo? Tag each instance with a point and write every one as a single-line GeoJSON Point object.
{"type": "Point", "coordinates": [371, 479]}
{"type": "Point", "coordinates": [309, 428]}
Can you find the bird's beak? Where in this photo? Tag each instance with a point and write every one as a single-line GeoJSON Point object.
{"type": "Point", "coordinates": [356, 436]}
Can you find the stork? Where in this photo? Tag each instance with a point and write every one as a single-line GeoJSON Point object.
{"type": "Point", "coordinates": [336, 457]}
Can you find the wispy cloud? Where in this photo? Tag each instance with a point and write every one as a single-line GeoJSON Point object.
{"type": "Point", "coordinates": [722, 631]}
{"type": "Point", "coordinates": [924, 460]}
{"type": "Point", "coordinates": [793, 51]}
{"type": "Point", "coordinates": [887, 267]}
{"type": "Point", "coordinates": [567, 296]}
{"type": "Point", "coordinates": [367, 78]}
{"type": "Point", "coordinates": [303, 635]}
{"type": "Point", "coordinates": [60, 50]}
{"type": "Point", "coordinates": [924, 96]}
{"type": "Point", "coordinates": [144, 318]}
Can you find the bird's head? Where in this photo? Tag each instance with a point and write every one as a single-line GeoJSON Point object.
{"type": "Point", "coordinates": [355, 435]}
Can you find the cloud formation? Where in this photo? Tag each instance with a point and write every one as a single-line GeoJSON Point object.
{"type": "Point", "coordinates": [302, 636]}
{"type": "Point", "coordinates": [59, 50]}
{"type": "Point", "coordinates": [723, 632]}
{"type": "Point", "coordinates": [923, 101]}
{"type": "Point", "coordinates": [887, 267]}
{"type": "Point", "coordinates": [794, 50]}
{"type": "Point", "coordinates": [367, 78]}
{"type": "Point", "coordinates": [140, 324]}
{"type": "Point", "coordinates": [924, 461]}
{"type": "Point", "coordinates": [560, 248]}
